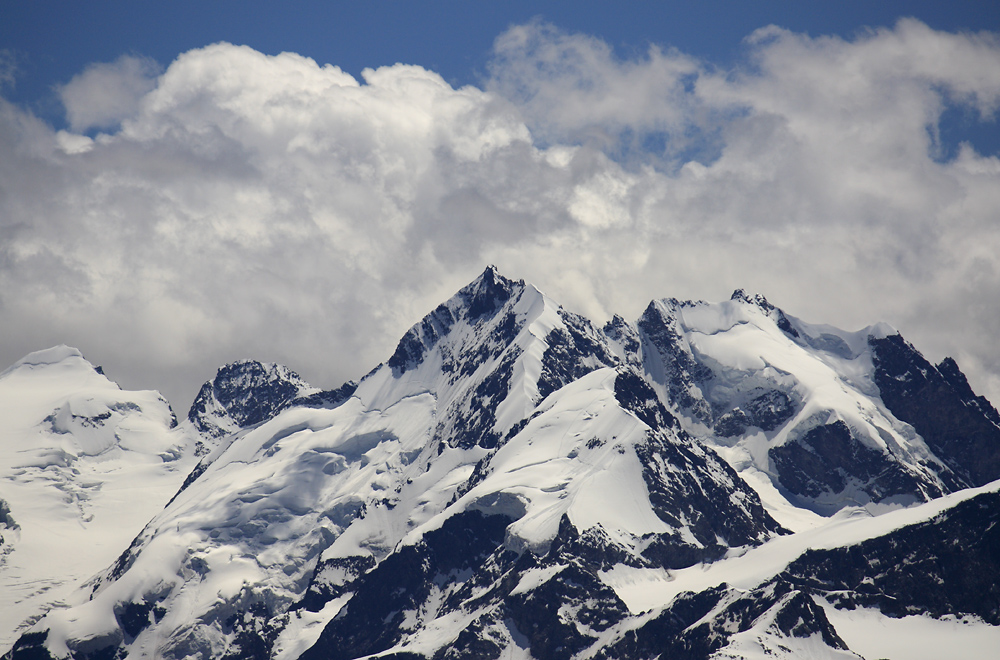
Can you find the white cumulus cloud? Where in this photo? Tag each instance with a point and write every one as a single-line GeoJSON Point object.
{"type": "Point", "coordinates": [106, 93]}
{"type": "Point", "coordinates": [246, 205]}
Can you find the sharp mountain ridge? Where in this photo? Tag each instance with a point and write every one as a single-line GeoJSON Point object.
{"type": "Point", "coordinates": [514, 481]}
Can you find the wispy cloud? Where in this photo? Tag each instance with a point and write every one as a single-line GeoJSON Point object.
{"type": "Point", "coordinates": [241, 204]}
{"type": "Point", "coordinates": [105, 94]}
{"type": "Point", "coordinates": [8, 68]}
{"type": "Point", "coordinates": [572, 89]}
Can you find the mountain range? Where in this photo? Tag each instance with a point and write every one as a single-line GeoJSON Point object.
{"type": "Point", "coordinates": [711, 480]}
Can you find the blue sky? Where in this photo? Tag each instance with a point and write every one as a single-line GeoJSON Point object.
{"type": "Point", "coordinates": [175, 193]}
{"type": "Point", "coordinates": [52, 41]}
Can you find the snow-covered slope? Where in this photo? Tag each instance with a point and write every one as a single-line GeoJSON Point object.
{"type": "Point", "coordinates": [516, 482]}
{"type": "Point", "coordinates": [601, 475]}
{"type": "Point", "coordinates": [855, 579]}
{"type": "Point", "coordinates": [83, 467]}
{"type": "Point", "coordinates": [795, 406]}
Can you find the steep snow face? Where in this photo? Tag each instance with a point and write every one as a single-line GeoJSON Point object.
{"type": "Point", "coordinates": [600, 475]}
{"type": "Point", "coordinates": [243, 538]}
{"type": "Point", "coordinates": [790, 400]}
{"type": "Point", "coordinates": [83, 466]}
{"type": "Point", "coordinates": [585, 454]}
{"type": "Point", "coordinates": [488, 356]}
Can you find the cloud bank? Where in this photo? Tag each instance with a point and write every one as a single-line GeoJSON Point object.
{"type": "Point", "coordinates": [245, 205]}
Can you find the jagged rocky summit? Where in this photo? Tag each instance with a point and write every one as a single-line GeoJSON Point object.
{"type": "Point", "coordinates": [713, 480]}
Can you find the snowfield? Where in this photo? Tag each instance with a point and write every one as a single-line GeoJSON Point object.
{"type": "Point", "coordinates": [83, 468]}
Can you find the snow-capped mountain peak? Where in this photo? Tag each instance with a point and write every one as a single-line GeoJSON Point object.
{"type": "Point", "coordinates": [64, 357]}
{"type": "Point", "coordinates": [489, 355]}
{"type": "Point", "coordinates": [83, 467]}
{"type": "Point", "coordinates": [516, 482]}
{"type": "Point", "coordinates": [243, 394]}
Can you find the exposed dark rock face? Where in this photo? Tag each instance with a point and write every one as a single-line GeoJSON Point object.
{"type": "Point", "coordinates": [6, 522]}
{"type": "Point", "coordinates": [403, 582]}
{"type": "Point", "coordinates": [801, 617]}
{"type": "Point", "coordinates": [734, 423]}
{"type": "Point", "coordinates": [475, 415]}
{"type": "Point", "coordinates": [827, 459]}
{"type": "Point", "coordinates": [956, 379]}
{"type": "Point", "coordinates": [572, 353]}
{"type": "Point", "coordinates": [593, 547]}
{"type": "Point", "coordinates": [412, 348]}
{"type": "Point", "coordinates": [30, 646]}
{"type": "Point", "coordinates": [331, 578]}
{"type": "Point", "coordinates": [254, 633]}
{"type": "Point", "coordinates": [769, 409]}
{"type": "Point", "coordinates": [247, 393]}
{"type": "Point", "coordinates": [552, 617]}
{"type": "Point", "coordinates": [476, 303]}
{"type": "Point", "coordinates": [634, 394]}
{"type": "Point", "coordinates": [963, 430]}
{"type": "Point", "coordinates": [948, 565]}
{"type": "Point", "coordinates": [766, 410]}
{"type": "Point", "coordinates": [681, 371]}
{"type": "Point", "coordinates": [491, 291]}
{"type": "Point", "coordinates": [134, 617]}
{"type": "Point", "coordinates": [664, 636]}
{"type": "Point", "coordinates": [563, 615]}
{"type": "Point", "coordinates": [689, 487]}
{"type": "Point", "coordinates": [621, 333]}
{"type": "Point", "coordinates": [6, 519]}
{"type": "Point", "coordinates": [485, 306]}
{"type": "Point", "coordinates": [795, 614]}
{"type": "Point", "coordinates": [684, 630]}
{"type": "Point", "coordinates": [326, 398]}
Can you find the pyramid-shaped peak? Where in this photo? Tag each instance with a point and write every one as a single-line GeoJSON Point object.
{"type": "Point", "coordinates": [491, 271]}
{"type": "Point", "coordinates": [475, 303]}
{"type": "Point", "coordinates": [488, 292]}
